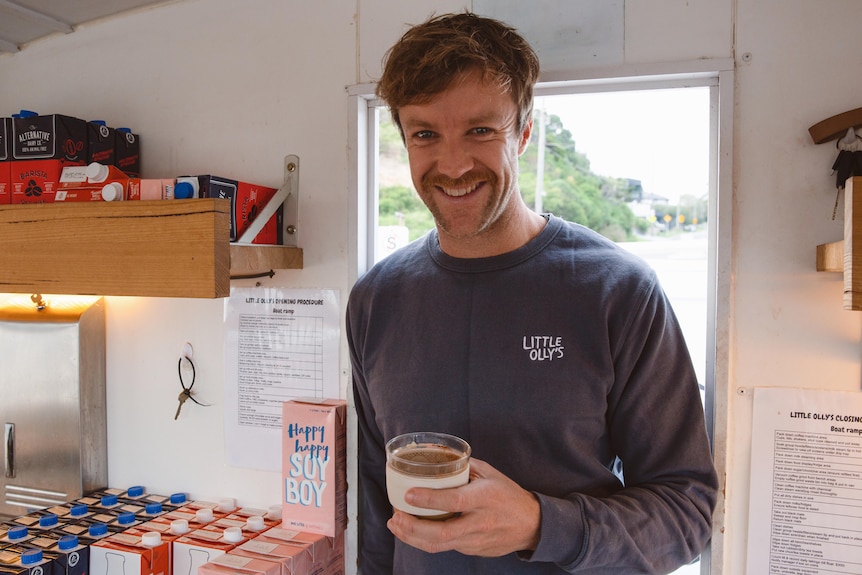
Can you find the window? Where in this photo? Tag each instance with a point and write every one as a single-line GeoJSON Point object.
{"type": "Point", "coordinates": [646, 149]}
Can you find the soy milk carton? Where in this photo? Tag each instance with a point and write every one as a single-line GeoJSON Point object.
{"type": "Point", "coordinates": [314, 466]}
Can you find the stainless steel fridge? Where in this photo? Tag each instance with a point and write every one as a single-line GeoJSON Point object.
{"type": "Point", "coordinates": [52, 400]}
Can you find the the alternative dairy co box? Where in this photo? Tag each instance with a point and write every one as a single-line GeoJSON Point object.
{"type": "Point", "coordinates": [314, 461]}
{"type": "Point", "coordinates": [41, 147]}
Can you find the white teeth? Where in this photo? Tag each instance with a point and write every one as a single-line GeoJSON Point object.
{"type": "Point", "coordinates": [458, 192]}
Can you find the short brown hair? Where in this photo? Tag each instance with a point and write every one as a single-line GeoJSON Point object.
{"type": "Point", "coordinates": [429, 56]}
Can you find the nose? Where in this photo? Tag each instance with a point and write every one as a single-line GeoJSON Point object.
{"type": "Point", "coordinates": [454, 159]}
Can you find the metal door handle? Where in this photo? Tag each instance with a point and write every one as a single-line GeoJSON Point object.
{"type": "Point", "coordinates": [9, 442]}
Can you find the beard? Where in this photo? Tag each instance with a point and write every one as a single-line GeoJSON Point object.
{"type": "Point", "coordinates": [451, 220]}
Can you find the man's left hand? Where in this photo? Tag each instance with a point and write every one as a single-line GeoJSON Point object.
{"type": "Point", "coordinates": [495, 516]}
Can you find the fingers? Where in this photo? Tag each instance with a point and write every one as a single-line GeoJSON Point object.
{"type": "Point", "coordinates": [494, 516]}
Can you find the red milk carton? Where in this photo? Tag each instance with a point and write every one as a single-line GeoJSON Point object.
{"type": "Point", "coordinates": [41, 147]}
{"type": "Point", "coordinates": [92, 183]}
{"type": "Point", "coordinates": [314, 458]}
{"type": "Point", "coordinates": [5, 160]}
{"type": "Point", "coordinates": [247, 200]}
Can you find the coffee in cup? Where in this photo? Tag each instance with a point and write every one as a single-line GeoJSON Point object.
{"type": "Point", "coordinates": [425, 459]}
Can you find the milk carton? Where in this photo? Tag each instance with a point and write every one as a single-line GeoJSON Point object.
{"type": "Point", "coordinates": [247, 200]}
{"type": "Point", "coordinates": [202, 546]}
{"type": "Point", "coordinates": [72, 557]}
{"type": "Point", "coordinates": [127, 151]}
{"type": "Point", "coordinates": [5, 160]}
{"type": "Point", "coordinates": [314, 466]}
{"type": "Point", "coordinates": [130, 554]}
{"type": "Point", "coordinates": [232, 564]}
{"type": "Point", "coordinates": [92, 183]}
{"type": "Point", "coordinates": [100, 143]}
{"type": "Point", "coordinates": [41, 147]}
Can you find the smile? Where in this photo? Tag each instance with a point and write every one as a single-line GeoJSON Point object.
{"type": "Point", "coordinates": [458, 192]}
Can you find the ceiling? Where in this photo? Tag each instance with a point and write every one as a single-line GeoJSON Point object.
{"type": "Point", "coordinates": [23, 21]}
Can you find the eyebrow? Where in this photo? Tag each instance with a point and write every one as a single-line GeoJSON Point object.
{"type": "Point", "coordinates": [480, 120]}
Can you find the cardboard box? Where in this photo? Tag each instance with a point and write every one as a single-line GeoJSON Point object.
{"type": "Point", "coordinates": [323, 555]}
{"type": "Point", "coordinates": [314, 459]}
{"type": "Point", "coordinates": [294, 559]}
{"type": "Point", "coordinates": [130, 554]}
{"type": "Point", "coordinates": [202, 546]}
{"type": "Point", "coordinates": [151, 189]}
{"type": "Point", "coordinates": [5, 160]}
{"type": "Point", "coordinates": [127, 152]}
{"type": "Point", "coordinates": [232, 564]}
{"type": "Point", "coordinates": [41, 147]}
{"type": "Point", "coordinates": [27, 560]}
{"type": "Point", "coordinates": [246, 202]}
{"type": "Point", "coordinates": [72, 557]}
{"type": "Point", "coordinates": [100, 143]}
{"type": "Point", "coordinates": [93, 183]}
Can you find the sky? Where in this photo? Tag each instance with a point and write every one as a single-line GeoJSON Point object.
{"type": "Point", "coordinates": [660, 137]}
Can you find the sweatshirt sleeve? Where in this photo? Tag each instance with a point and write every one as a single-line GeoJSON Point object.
{"type": "Point", "coordinates": [661, 518]}
{"type": "Point", "coordinates": [376, 550]}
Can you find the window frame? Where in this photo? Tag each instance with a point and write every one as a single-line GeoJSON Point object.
{"type": "Point", "coordinates": [717, 74]}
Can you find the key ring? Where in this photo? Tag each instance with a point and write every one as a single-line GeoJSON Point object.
{"type": "Point", "coordinates": [188, 390]}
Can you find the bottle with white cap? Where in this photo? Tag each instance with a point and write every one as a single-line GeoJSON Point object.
{"type": "Point", "coordinates": [115, 181]}
{"type": "Point", "coordinates": [131, 552]}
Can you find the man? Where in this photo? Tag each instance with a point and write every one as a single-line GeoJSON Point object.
{"type": "Point", "coordinates": [553, 352]}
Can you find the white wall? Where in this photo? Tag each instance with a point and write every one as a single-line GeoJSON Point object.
{"type": "Point", "coordinates": [231, 87]}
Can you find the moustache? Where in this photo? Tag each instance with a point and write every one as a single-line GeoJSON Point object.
{"type": "Point", "coordinates": [466, 181]}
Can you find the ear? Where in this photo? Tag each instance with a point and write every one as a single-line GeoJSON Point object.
{"type": "Point", "coordinates": [525, 137]}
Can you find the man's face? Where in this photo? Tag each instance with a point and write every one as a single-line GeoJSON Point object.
{"type": "Point", "coordinates": [463, 148]}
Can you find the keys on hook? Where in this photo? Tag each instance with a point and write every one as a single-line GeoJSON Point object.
{"type": "Point", "coordinates": [186, 393]}
{"type": "Point", "coordinates": [183, 397]}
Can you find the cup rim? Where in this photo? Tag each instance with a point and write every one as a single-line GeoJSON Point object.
{"type": "Point", "coordinates": [451, 439]}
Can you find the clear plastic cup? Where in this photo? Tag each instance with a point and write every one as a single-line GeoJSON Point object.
{"type": "Point", "coordinates": [425, 459]}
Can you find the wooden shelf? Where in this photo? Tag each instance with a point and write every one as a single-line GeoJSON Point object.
{"type": "Point", "coordinates": [169, 248]}
{"type": "Point", "coordinates": [846, 255]}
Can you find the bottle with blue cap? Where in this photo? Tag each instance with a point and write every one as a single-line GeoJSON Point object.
{"type": "Point", "coordinates": [187, 187]}
{"type": "Point", "coordinates": [135, 492]}
{"type": "Point", "coordinates": [79, 511]}
{"type": "Point", "coordinates": [16, 535]}
{"type": "Point", "coordinates": [95, 532]}
{"type": "Point", "coordinates": [48, 522]}
{"type": "Point", "coordinates": [153, 510]}
{"type": "Point", "coordinates": [125, 520]}
{"type": "Point", "coordinates": [35, 562]}
{"type": "Point", "coordinates": [72, 557]}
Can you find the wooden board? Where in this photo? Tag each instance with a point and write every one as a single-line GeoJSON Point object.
{"type": "Point", "coordinates": [830, 257]}
{"type": "Point", "coordinates": [170, 248]}
{"type": "Point", "coordinates": [853, 244]}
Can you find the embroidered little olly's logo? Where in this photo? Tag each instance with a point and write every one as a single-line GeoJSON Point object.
{"type": "Point", "coordinates": [544, 347]}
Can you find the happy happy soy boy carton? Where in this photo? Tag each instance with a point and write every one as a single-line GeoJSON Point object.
{"type": "Point", "coordinates": [314, 458]}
